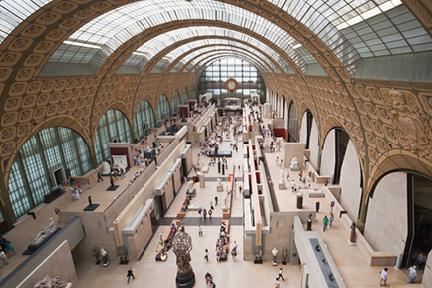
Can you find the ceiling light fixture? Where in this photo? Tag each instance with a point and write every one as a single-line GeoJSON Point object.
{"type": "Point", "coordinates": [80, 44]}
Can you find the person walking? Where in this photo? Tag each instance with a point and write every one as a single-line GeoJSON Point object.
{"type": "Point", "coordinates": [211, 205]}
{"type": "Point", "coordinates": [412, 274]}
{"type": "Point", "coordinates": [277, 283]}
{"type": "Point", "coordinates": [200, 231]}
{"type": "Point", "coordinates": [280, 274]}
{"type": "Point", "coordinates": [331, 218]}
{"type": "Point", "coordinates": [130, 274]}
{"type": "Point", "coordinates": [325, 222]}
{"type": "Point", "coordinates": [210, 212]}
{"type": "Point", "coordinates": [216, 199]}
{"type": "Point", "coordinates": [206, 255]}
{"type": "Point", "coordinates": [204, 214]}
{"type": "Point", "coordinates": [383, 277]}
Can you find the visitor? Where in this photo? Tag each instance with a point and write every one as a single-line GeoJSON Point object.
{"type": "Point", "coordinates": [204, 214]}
{"type": "Point", "coordinates": [130, 274]}
{"type": "Point", "coordinates": [412, 274]}
{"type": "Point", "coordinates": [383, 277]}
{"type": "Point", "coordinates": [210, 212]}
{"type": "Point", "coordinates": [216, 200]}
{"type": "Point", "coordinates": [3, 258]}
{"type": "Point", "coordinates": [211, 205]}
{"type": "Point", "coordinates": [325, 222]}
{"type": "Point", "coordinates": [280, 274]}
{"type": "Point", "coordinates": [234, 250]}
{"type": "Point", "coordinates": [317, 206]}
{"type": "Point", "coordinates": [206, 255]}
{"type": "Point", "coordinates": [200, 233]}
{"type": "Point", "coordinates": [277, 283]}
{"type": "Point", "coordinates": [331, 218]}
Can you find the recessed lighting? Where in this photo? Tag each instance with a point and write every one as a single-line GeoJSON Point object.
{"type": "Point", "coordinates": [74, 43]}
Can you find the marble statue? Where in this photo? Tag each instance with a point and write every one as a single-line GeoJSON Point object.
{"type": "Point", "coordinates": [105, 259]}
{"type": "Point", "coordinates": [45, 232]}
{"type": "Point", "coordinates": [106, 168]}
{"type": "Point", "coordinates": [275, 252]}
{"type": "Point", "coordinates": [76, 193]}
{"type": "Point", "coordinates": [294, 164]}
{"type": "Point", "coordinates": [56, 282]}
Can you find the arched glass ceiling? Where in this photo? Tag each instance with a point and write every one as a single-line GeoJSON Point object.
{"type": "Point", "coordinates": [204, 58]}
{"type": "Point", "coordinates": [371, 27]}
{"type": "Point", "coordinates": [217, 43]}
{"type": "Point", "coordinates": [107, 32]}
{"type": "Point", "coordinates": [13, 12]}
{"type": "Point", "coordinates": [170, 57]}
{"type": "Point", "coordinates": [258, 57]}
{"type": "Point", "coordinates": [208, 61]}
{"type": "Point", "coordinates": [155, 45]}
{"type": "Point", "coordinates": [352, 29]}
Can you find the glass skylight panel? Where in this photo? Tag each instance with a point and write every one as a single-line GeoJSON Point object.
{"type": "Point", "coordinates": [121, 24]}
{"type": "Point", "coordinates": [13, 12]}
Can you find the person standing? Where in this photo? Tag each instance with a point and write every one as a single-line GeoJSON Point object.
{"type": "Point", "coordinates": [200, 230]}
{"type": "Point", "coordinates": [412, 274]}
{"type": "Point", "coordinates": [280, 274]}
{"type": "Point", "coordinates": [331, 218]}
{"type": "Point", "coordinates": [384, 277]}
{"type": "Point", "coordinates": [317, 206]}
{"type": "Point", "coordinates": [206, 255]}
{"type": "Point", "coordinates": [210, 212]}
{"type": "Point", "coordinates": [130, 274]}
{"type": "Point", "coordinates": [325, 222]}
{"type": "Point", "coordinates": [204, 214]}
{"type": "Point", "coordinates": [216, 199]}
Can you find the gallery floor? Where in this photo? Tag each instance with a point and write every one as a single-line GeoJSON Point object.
{"type": "Point", "coordinates": [234, 272]}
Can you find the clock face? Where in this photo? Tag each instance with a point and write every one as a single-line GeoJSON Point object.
{"type": "Point", "coordinates": [231, 85]}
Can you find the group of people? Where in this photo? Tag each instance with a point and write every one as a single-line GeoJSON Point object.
{"type": "Point", "coordinates": [412, 275]}
{"type": "Point", "coordinates": [222, 244]}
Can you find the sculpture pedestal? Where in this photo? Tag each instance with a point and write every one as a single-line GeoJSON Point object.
{"type": "Point", "coordinates": [219, 188]}
{"type": "Point", "coordinates": [202, 181]}
{"type": "Point", "coordinates": [282, 185]}
{"type": "Point", "coordinates": [185, 280]}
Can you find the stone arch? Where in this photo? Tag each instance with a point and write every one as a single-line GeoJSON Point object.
{"type": "Point", "coordinates": [120, 106]}
{"type": "Point", "coordinates": [56, 121]}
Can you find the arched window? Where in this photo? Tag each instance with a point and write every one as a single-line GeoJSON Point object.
{"type": "Point", "coordinates": [162, 110]}
{"type": "Point", "coordinates": [113, 127]}
{"type": "Point", "coordinates": [43, 162]}
{"type": "Point", "coordinates": [175, 103]}
{"type": "Point", "coordinates": [215, 76]}
{"type": "Point", "coordinates": [292, 123]}
{"type": "Point", "coordinates": [144, 119]}
{"type": "Point", "coordinates": [184, 98]}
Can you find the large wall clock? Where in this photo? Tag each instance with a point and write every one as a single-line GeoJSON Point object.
{"type": "Point", "coordinates": [231, 85]}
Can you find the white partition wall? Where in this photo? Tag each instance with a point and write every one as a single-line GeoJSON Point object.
{"type": "Point", "coordinates": [350, 179]}
{"type": "Point", "coordinates": [386, 225]}
{"type": "Point", "coordinates": [313, 144]}
{"type": "Point", "coordinates": [328, 156]}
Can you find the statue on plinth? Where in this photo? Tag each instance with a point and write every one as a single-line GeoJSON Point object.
{"type": "Point", "coordinates": [45, 232]}
{"type": "Point", "coordinates": [48, 282]}
{"type": "Point", "coordinates": [182, 246]}
{"type": "Point", "coordinates": [275, 252]}
{"type": "Point", "coordinates": [106, 168]}
{"type": "Point", "coordinates": [294, 164]}
{"type": "Point", "coordinates": [105, 259]}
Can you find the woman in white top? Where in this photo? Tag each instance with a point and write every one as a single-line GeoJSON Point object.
{"type": "Point", "coordinates": [384, 276]}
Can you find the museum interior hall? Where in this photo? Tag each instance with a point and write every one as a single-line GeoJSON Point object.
{"type": "Point", "coordinates": [215, 143]}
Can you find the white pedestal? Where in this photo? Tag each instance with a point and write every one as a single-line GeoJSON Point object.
{"type": "Point", "coordinates": [219, 188]}
{"type": "Point", "coordinates": [282, 185]}
{"type": "Point", "coordinates": [202, 181]}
